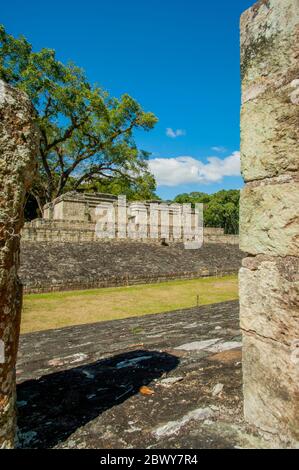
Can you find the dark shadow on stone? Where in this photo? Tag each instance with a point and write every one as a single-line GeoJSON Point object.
{"type": "Point", "coordinates": [54, 406]}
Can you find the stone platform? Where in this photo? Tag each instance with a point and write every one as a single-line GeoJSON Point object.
{"type": "Point", "coordinates": [171, 380]}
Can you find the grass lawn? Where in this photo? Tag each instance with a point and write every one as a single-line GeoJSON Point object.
{"type": "Point", "coordinates": [58, 309]}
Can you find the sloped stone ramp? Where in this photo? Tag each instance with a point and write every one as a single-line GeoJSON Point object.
{"type": "Point", "coordinates": [49, 267]}
{"type": "Point", "coordinates": [171, 380]}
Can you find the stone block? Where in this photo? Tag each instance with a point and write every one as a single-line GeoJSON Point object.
{"type": "Point", "coordinates": [269, 46]}
{"type": "Point", "coordinates": [269, 220]}
{"type": "Point", "coordinates": [270, 135]}
{"type": "Point", "coordinates": [270, 89]}
{"type": "Point", "coordinates": [271, 393]}
{"type": "Point", "coordinates": [269, 297]}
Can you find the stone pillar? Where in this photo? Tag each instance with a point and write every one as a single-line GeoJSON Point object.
{"type": "Point", "coordinates": [269, 218]}
{"type": "Point", "coordinates": [18, 149]}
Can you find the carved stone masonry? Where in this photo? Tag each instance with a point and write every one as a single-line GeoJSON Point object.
{"type": "Point", "coordinates": [269, 218]}
{"type": "Point", "coordinates": [18, 149]}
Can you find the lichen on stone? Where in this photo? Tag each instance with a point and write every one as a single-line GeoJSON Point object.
{"type": "Point", "coordinates": [19, 145]}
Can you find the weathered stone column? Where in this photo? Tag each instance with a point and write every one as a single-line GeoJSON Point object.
{"type": "Point", "coordinates": [18, 150]}
{"type": "Point", "coordinates": [269, 219]}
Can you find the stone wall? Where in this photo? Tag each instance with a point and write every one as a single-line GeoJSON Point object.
{"type": "Point", "coordinates": [67, 266]}
{"type": "Point", "coordinates": [18, 148]}
{"type": "Point", "coordinates": [269, 218]}
{"type": "Point", "coordinates": [59, 231]}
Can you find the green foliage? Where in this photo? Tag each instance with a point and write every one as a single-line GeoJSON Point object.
{"type": "Point", "coordinates": [192, 198]}
{"type": "Point", "coordinates": [220, 209]}
{"type": "Point", "coordinates": [142, 188]}
{"type": "Point", "coordinates": [86, 135]}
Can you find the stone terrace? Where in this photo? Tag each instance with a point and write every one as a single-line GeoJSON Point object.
{"type": "Point", "coordinates": [54, 266]}
{"type": "Point", "coordinates": [81, 387]}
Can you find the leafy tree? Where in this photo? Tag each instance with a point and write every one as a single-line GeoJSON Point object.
{"type": "Point", "coordinates": [142, 188]}
{"type": "Point", "coordinates": [220, 209]}
{"type": "Point", "coordinates": [85, 134]}
{"type": "Point", "coordinates": [192, 198]}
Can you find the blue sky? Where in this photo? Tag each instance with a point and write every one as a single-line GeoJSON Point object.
{"type": "Point", "coordinates": [179, 59]}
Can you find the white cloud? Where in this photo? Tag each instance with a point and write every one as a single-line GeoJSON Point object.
{"type": "Point", "coordinates": [175, 133]}
{"type": "Point", "coordinates": [187, 170]}
{"type": "Point", "coordinates": [219, 149]}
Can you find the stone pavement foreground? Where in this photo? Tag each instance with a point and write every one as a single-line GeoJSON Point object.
{"type": "Point", "coordinates": [170, 380]}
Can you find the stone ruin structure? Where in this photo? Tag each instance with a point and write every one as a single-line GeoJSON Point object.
{"type": "Point", "coordinates": [18, 147]}
{"type": "Point", "coordinates": [73, 216]}
{"type": "Point", "coordinates": [106, 210]}
{"type": "Point", "coordinates": [269, 227]}
{"type": "Point", "coordinates": [269, 222]}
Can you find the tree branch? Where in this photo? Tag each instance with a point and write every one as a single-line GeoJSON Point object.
{"type": "Point", "coordinates": [67, 133]}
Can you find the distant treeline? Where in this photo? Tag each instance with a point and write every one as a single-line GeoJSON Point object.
{"type": "Point", "coordinates": [220, 209]}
